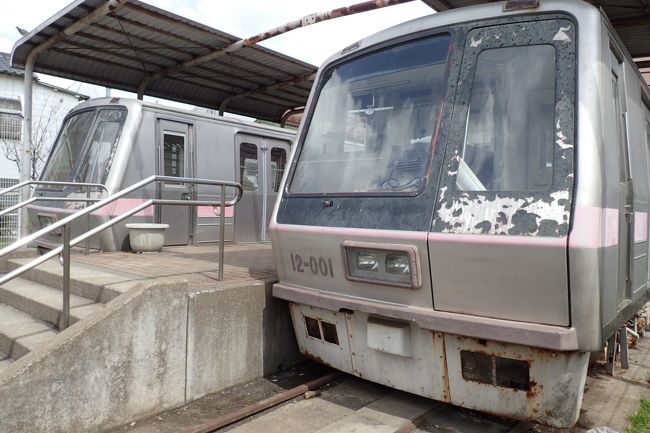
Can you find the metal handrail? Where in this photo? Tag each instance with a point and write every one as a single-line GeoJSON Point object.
{"type": "Point", "coordinates": [35, 199]}
{"type": "Point", "coordinates": [24, 203]}
{"type": "Point", "coordinates": [64, 224]}
{"type": "Point", "coordinates": [51, 183]}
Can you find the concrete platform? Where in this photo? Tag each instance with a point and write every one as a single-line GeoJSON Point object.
{"type": "Point", "coordinates": [198, 265]}
{"type": "Point", "coordinates": [169, 333]}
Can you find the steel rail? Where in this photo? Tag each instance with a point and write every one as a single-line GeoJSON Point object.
{"type": "Point", "coordinates": [251, 409]}
{"type": "Point", "coordinates": [52, 183]}
{"type": "Point", "coordinates": [64, 224]}
{"type": "Point", "coordinates": [35, 199]}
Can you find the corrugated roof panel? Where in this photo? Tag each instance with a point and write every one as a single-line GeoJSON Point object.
{"type": "Point", "coordinates": [137, 40]}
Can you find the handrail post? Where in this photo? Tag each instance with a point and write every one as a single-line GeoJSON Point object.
{"type": "Point", "coordinates": [87, 247]}
{"type": "Point", "coordinates": [222, 230]}
{"type": "Point", "coordinates": [65, 319]}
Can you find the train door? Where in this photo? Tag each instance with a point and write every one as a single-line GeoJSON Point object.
{"type": "Point", "coordinates": [625, 192]}
{"type": "Point", "coordinates": [276, 159]}
{"type": "Point", "coordinates": [261, 163]}
{"type": "Point", "coordinates": [175, 159]}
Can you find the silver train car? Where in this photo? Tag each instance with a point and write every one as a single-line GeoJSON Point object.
{"type": "Point", "coordinates": [465, 216]}
{"type": "Point", "coordinates": [117, 142]}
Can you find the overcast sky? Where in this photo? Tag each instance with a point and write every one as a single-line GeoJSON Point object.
{"type": "Point", "coordinates": [241, 18]}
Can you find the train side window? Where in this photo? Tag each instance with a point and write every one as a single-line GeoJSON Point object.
{"type": "Point", "coordinates": [508, 144]}
{"type": "Point", "coordinates": [174, 155]}
{"type": "Point", "coordinates": [278, 161]}
{"type": "Point", "coordinates": [248, 166]}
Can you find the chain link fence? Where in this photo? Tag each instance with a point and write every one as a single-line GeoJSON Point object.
{"type": "Point", "coordinates": [8, 223]}
{"type": "Point", "coordinates": [11, 125]}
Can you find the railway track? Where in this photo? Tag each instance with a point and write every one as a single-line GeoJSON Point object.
{"type": "Point", "coordinates": [298, 409]}
{"type": "Point", "coordinates": [342, 403]}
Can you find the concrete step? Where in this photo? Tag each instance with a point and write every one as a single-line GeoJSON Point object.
{"type": "Point", "coordinates": [99, 285]}
{"type": "Point", "coordinates": [20, 253]}
{"type": "Point", "coordinates": [21, 333]}
{"type": "Point", "coordinates": [44, 302]}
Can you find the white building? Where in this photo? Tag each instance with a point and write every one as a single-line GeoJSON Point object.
{"type": "Point", "coordinates": [50, 105]}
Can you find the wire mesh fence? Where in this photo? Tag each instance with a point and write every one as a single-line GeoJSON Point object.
{"type": "Point", "coordinates": [11, 127]}
{"type": "Point", "coordinates": [9, 222]}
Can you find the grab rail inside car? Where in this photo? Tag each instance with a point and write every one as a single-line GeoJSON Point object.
{"type": "Point", "coordinates": [88, 187]}
{"type": "Point", "coordinates": [64, 224]}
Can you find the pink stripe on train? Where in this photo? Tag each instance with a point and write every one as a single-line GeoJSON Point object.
{"type": "Point", "coordinates": [123, 205]}
{"type": "Point", "coordinates": [126, 204]}
{"type": "Point", "coordinates": [212, 211]}
{"type": "Point", "coordinates": [593, 227]}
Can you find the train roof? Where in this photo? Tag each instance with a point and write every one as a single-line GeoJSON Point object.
{"type": "Point", "coordinates": [472, 11]}
{"type": "Point", "coordinates": [630, 19]}
{"type": "Point", "coordinates": [130, 104]}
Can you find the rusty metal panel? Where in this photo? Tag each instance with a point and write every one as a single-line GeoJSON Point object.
{"type": "Point", "coordinates": [315, 336]}
{"type": "Point", "coordinates": [421, 372]}
{"type": "Point", "coordinates": [554, 392]}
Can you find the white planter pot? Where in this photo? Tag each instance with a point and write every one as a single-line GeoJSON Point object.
{"type": "Point", "coordinates": [146, 237]}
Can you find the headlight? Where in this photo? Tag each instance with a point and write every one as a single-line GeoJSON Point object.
{"type": "Point", "coordinates": [398, 264]}
{"type": "Point", "coordinates": [388, 264]}
{"type": "Point", "coordinates": [367, 261]}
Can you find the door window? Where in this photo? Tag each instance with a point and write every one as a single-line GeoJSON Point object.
{"type": "Point", "coordinates": [174, 155]}
{"type": "Point", "coordinates": [248, 166]}
{"type": "Point", "coordinates": [278, 161]}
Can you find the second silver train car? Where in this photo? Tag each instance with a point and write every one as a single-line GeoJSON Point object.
{"type": "Point", "coordinates": [117, 142]}
{"type": "Point", "coordinates": [465, 216]}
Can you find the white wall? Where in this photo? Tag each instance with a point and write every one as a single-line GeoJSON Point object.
{"type": "Point", "coordinates": [49, 108]}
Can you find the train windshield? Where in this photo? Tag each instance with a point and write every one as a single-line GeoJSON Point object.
{"type": "Point", "coordinates": [84, 148]}
{"type": "Point", "coordinates": [373, 125]}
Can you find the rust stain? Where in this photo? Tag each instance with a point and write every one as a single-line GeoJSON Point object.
{"type": "Point", "coordinates": [535, 391]}
{"type": "Point", "coordinates": [315, 358]}
{"type": "Point", "coordinates": [446, 394]}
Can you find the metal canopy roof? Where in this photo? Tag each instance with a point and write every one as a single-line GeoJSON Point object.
{"type": "Point", "coordinates": [136, 40]}
{"type": "Point", "coordinates": [630, 18]}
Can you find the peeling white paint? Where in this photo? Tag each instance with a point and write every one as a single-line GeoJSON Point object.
{"type": "Point", "coordinates": [443, 190]}
{"type": "Point", "coordinates": [475, 42]}
{"type": "Point", "coordinates": [474, 213]}
{"type": "Point", "coordinates": [562, 35]}
{"type": "Point", "coordinates": [561, 140]}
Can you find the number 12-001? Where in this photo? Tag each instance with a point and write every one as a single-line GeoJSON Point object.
{"type": "Point", "coordinates": [316, 265]}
